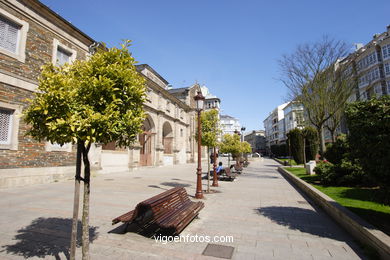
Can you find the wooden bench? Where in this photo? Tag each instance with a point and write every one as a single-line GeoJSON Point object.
{"type": "Point", "coordinates": [171, 210]}
{"type": "Point", "coordinates": [227, 174]}
{"type": "Point", "coordinates": [238, 168]}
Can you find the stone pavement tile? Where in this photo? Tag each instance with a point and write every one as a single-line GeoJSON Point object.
{"type": "Point", "coordinates": [244, 256]}
{"type": "Point", "coordinates": [268, 251]}
{"type": "Point", "coordinates": [237, 210]}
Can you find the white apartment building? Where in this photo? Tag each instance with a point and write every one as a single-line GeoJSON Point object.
{"type": "Point", "coordinates": [211, 101]}
{"type": "Point", "coordinates": [372, 62]}
{"type": "Point", "coordinates": [293, 116]}
{"type": "Point", "coordinates": [229, 124]}
{"type": "Point", "coordinates": [274, 126]}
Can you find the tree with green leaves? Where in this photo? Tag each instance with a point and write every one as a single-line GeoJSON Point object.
{"type": "Point", "coordinates": [95, 100]}
{"type": "Point", "coordinates": [310, 137]}
{"type": "Point", "coordinates": [232, 144]}
{"type": "Point", "coordinates": [210, 134]}
{"type": "Point", "coordinates": [369, 139]}
{"type": "Point", "coordinates": [295, 140]}
{"type": "Point", "coordinates": [320, 77]}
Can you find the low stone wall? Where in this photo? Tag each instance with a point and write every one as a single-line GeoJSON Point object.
{"type": "Point", "coordinates": [357, 227]}
{"type": "Point", "coordinates": [28, 176]}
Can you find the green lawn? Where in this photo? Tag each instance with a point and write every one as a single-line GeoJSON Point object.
{"type": "Point", "coordinates": [288, 160]}
{"type": "Point", "coordinates": [359, 200]}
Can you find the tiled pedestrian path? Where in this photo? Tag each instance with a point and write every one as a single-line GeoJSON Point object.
{"type": "Point", "coordinates": [266, 216]}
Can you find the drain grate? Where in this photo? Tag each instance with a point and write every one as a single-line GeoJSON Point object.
{"type": "Point", "coordinates": [219, 251]}
{"type": "Point", "coordinates": [303, 202]}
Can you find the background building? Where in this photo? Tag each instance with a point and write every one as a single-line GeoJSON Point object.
{"type": "Point", "coordinates": [274, 127]}
{"type": "Point", "coordinates": [229, 124]}
{"type": "Point", "coordinates": [293, 116]}
{"type": "Point", "coordinates": [372, 66]}
{"type": "Point", "coordinates": [256, 139]}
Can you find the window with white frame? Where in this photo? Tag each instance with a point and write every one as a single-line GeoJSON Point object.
{"type": "Point", "coordinates": [9, 35]}
{"type": "Point", "coordinates": [9, 125]}
{"type": "Point", "coordinates": [378, 89]}
{"type": "Point", "coordinates": [387, 68]}
{"type": "Point", "coordinates": [13, 35]}
{"type": "Point", "coordinates": [386, 51]}
{"type": "Point", "coordinates": [388, 87]}
{"type": "Point", "coordinates": [363, 96]}
{"type": "Point", "coordinates": [6, 117]}
{"type": "Point", "coordinates": [369, 77]}
{"type": "Point", "coordinates": [62, 54]}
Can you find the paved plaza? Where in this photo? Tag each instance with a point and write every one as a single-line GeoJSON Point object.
{"type": "Point", "coordinates": [266, 216]}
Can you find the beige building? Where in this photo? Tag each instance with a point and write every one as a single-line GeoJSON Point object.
{"type": "Point", "coordinates": [167, 130]}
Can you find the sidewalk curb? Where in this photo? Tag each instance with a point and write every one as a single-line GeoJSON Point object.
{"type": "Point", "coordinates": [353, 224]}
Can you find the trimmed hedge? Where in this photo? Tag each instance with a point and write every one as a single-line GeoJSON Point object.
{"type": "Point", "coordinates": [295, 139]}
{"type": "Point", "coordinates": [369, 138]}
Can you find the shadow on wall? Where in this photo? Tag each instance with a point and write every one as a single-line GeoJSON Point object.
{"type": "Point", "coordinates": [47, 237]}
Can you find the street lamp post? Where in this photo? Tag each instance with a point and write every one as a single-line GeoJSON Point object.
{"type": "Point", "coordinates": [199, 100]}
{"type": "Point", "coordinates": [215, 178]}
{"type": "Point", "coordinates": [242, 140]}
{"type": "Point", "coordinates": [242, 133]}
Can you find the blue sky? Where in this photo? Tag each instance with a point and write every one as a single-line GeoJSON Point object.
{"type": "Point", "coordinates": [232, 47]}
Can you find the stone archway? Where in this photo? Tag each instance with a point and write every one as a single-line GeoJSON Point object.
{"type": "Point", "coordinates": [145, 141]}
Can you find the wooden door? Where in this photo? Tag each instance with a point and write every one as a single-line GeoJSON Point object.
{"type": "Point", "coordinates": [146, 149]}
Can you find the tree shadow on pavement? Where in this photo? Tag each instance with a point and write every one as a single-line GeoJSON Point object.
{"type": "Point", "coordinates": [47, 237]}
{"type": "Point", "coordinates": [175, 184]}
{"type": "Point", "coordinates": [304, 220]}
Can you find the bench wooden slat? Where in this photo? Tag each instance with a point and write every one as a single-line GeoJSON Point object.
{"type": "Point", "coordinates": [171, 209]}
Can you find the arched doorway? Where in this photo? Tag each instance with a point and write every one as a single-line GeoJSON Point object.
{"type": "Point", "coordinates": [145, 140]}
{"type": "Point", "coordinates": [167, 138]}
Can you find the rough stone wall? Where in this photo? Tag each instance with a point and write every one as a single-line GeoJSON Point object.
{"type": "Point", "coordinates": [30, 153]}
{"type": "Point", "coordinates": [39, 50]}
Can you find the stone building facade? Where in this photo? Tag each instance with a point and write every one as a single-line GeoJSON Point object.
{"type": "Point", "coordinates": [372, 66]}
{"type": "Point", "coordinates": [32, 35]}
{"type": "Point", "coordinates": [256, 139]}
{"type": "Point", "coordinates": [167, 131]}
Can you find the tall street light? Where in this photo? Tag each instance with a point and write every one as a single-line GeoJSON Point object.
{"type": "Point", "coordinates": [242, 139]}
{"type": "Point", "coordinates": [215, 178]}
{"type": "Point", "coordinates": [242, 133]}
{"type": "Point", "coordinates": [199, 100]}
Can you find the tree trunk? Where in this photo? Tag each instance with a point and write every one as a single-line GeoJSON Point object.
{"type": "Point", "coordinates": [229, 160]}
{"type": "Point", "coordinates": [333, 135]}
{"type": "Point", "coordinates": [85, 218]}
{"type": "Point", "coordinates": [320, 131]}
{"type": "Point", "coordinates": [304, 151]}
{"type": "Point", "coordinates": [76, 202]}
{"type": "Point", "coordinates": [208, 169]}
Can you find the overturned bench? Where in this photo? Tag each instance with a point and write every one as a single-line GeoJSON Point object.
{"type": "Point", "coordinates": [171, 210]}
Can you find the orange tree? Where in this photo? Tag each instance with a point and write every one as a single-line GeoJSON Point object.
{"type": "Point", "coordinates": [95, 100]}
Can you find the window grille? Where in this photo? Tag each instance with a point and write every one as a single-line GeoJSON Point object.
{"type": "Point", "coordinates": [5, 126]}
{"type": "Point", "coordinates": [9, 33]}
{"type": "Point", "coordinates": [63, 56]}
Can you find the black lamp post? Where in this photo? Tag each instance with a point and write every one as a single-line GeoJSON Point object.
{"type": "Point", "coordinates": [242, 133]}
{"type": "Point", "coordinates": [199, 99]}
